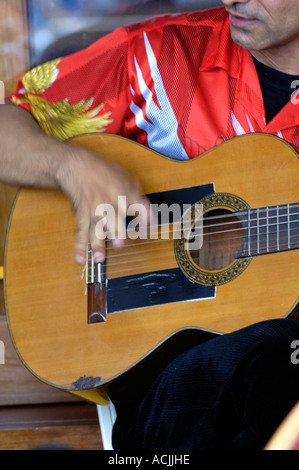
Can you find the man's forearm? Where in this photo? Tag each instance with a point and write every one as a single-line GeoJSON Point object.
{"type": "Point", "coordinates": [27, 155]}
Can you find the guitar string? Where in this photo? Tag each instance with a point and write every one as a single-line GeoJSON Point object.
{"type": "Point", "coordinates": [270, 248]}
{"type": "Point", "coordinates": [240, 217]}
{"type": "Point", "coordinates": [237, 221]}
{"type": "Point", "coordinates": [257, 219]}
{"type": "Point", "coordinates": [258, 212]}
{"type": "Point", "coordinates": [163, 265]}
{"type": "Point", "coordinates": [145, 229]}
{"type": "Point", "coordinates": [140, 260]}
{"type": "Point", "coordinates": [211, 242]}
{"type": "Point", "coordinates": [238, 214]}
{"type": "Point", "coordinates": [259, 209]}
{"type": "Point", "coordinates": [172, 262]}
{"type": "Point", "coordinates": [210, 234]}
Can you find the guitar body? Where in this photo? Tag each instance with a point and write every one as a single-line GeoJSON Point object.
{"type": "Point", "coordinates": [46, 296]}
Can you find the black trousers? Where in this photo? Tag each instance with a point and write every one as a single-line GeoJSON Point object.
{"type": "Point", "coordinates": [230, 392]}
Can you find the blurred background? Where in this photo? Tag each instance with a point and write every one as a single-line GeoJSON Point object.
{"type": "Point", "coordinates": [63, 26]}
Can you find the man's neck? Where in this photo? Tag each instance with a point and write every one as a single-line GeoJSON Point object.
{"type": "Point", "coordinates": [285, 58]}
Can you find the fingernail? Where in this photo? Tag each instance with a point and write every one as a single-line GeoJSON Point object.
{"type": "Point", "coordinates": [79, 259]}
{"type": "Point", "coordinates": [98, 257]}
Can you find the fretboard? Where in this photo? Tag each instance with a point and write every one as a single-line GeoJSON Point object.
{"type": "Point", "coordinates": [270, 229]}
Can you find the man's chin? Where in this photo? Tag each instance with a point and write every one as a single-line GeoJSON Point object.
{"type": "Point", "coordinates": [243, 39]}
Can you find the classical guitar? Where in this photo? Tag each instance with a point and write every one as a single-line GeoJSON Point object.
{"type": "Point", "coordinates": [81, 330]}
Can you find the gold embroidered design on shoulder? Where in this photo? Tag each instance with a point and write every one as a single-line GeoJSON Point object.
{"type": "Point", "coordinates": [40, 78]}
{"type": "Point", "coordinates": [64, 120]}
{"type": "Point", "coordinates": [59, 119]}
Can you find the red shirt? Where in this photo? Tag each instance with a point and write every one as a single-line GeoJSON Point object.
{"type": "Point", "coordinates": [176, 83]}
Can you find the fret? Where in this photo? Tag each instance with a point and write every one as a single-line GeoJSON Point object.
{"type": "Point", "coordinates": [294, 226]}
{"type": "Point", "coordinates": [272, 229]}
{"type": "Point", "coordinates": [253, 230]}
{"type": "Point", "coordinates": [267, 228]}
{"type": "Point", "coordinates": [249, 235]}
{"type": "Point", "coordinates": [283, 228]}
{"type": "Point", "coordinates": [258, 230]}
{"type": "Point", "coordinates": [263, 230]}
{"type": "Point", "coordinates": [277, 227]}
{"type": "Point", "coordinates": [289, 227]}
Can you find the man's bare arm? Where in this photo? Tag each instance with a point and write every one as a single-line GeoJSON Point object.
{"type": "Point", "coordinates": [29, 157]}
{"type": "Point", "coordinates": [24, 156]}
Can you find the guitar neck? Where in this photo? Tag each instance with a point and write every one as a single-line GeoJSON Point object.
{"type": "Point", "coordinates": [270, 229]}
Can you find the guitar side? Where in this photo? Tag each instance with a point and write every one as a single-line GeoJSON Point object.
{"type": "Point", "coordinates": [45, 293]}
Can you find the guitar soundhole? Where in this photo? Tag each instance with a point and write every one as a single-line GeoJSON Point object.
{"type": "Point", "coordinates": [222, 236]}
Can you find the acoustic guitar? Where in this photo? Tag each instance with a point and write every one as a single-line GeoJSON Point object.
{"type": "Point", "coordinates": [80, 331]}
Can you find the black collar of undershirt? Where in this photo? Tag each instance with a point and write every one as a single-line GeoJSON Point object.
{"type": "Point", "coordinates": [276, 88]}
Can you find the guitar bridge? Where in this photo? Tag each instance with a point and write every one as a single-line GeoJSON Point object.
{"type": "Point", "coordinates": [96, 289]}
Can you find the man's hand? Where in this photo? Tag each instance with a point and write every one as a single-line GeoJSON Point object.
{"type": "Point", "coordinates": [90, 181]}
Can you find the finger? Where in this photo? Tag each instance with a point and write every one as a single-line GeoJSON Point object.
{"type": "Point", "coordinates": [117, 232]}
{"type": "Point", "coordinates": [97, 236]}
{"type": "Point", "coordinates": [82, 238]}
{"type": "Point", "coordinates": [119, 224]}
